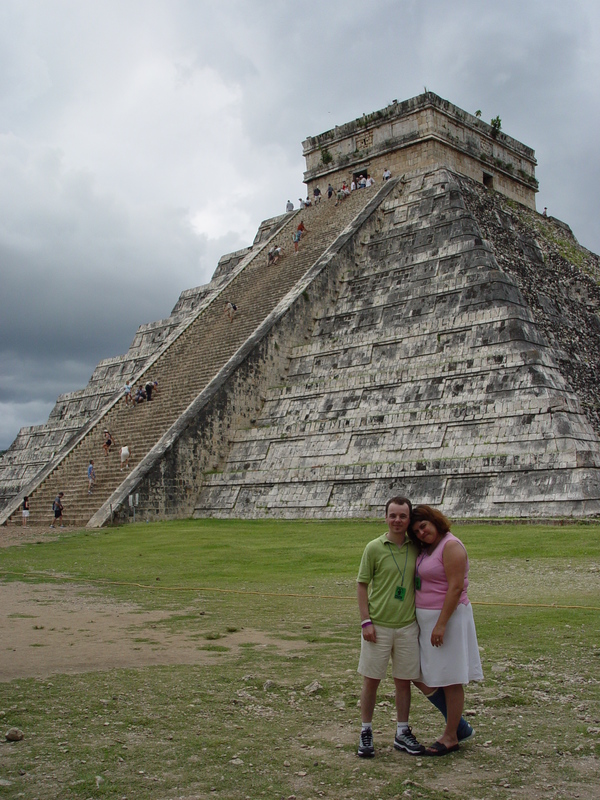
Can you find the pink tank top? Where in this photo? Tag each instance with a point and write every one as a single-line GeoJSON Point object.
{"type": "Point", "coordinates": [434, 585]}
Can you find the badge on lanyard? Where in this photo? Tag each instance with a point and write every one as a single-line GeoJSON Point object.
{"type": "Point", "coordinates": [400, 592]}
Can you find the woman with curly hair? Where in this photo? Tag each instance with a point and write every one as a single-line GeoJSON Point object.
{"type": "Point", "coordinates": [447, 639]}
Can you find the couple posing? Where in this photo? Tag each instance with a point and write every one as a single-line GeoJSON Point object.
{"type": "Point", "coordinates": [417, 563]}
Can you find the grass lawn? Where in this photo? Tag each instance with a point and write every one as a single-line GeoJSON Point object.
{"type": "Point", "coordinates": [242, 724]}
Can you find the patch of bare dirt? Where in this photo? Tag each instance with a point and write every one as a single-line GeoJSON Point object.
{"type": "Point", "coordinates": [47, 629]}
{"type": "Point", "coordinates": [12, 535]}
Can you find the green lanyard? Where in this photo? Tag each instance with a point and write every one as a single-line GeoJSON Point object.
{"type": "Point", "coordinates": [400, 592]}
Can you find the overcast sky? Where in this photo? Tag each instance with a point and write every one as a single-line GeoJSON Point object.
{"type": "Point", "coordinates": [142, 139]}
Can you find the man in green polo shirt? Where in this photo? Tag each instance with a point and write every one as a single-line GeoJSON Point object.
{"type": "Point", "coordinates": [389, 627]}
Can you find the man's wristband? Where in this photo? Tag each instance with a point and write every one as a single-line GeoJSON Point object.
{"type": "Point", "coordinates": [365, 622]}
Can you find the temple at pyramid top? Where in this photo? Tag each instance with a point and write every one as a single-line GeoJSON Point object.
{"type": "Point", "coordinates": [425, 131]}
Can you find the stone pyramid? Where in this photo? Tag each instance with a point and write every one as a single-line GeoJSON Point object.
{"type": "Point", "coordinates": [435, 337]}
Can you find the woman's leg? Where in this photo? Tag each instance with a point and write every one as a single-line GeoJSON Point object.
{"type": "Point", "coordinates": [437, 698]}
{"type": "Point", "coordinates": [455, 700]}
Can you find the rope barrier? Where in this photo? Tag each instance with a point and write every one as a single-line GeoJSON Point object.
{"type": "Point", "coordinates": [153, 587]}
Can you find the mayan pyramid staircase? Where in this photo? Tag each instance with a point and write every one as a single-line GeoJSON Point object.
{"type": "Point", "coordinates": [186, 367]}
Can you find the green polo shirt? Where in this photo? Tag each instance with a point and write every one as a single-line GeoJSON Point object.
{"type": "Point", "coordinates": [383, 566]}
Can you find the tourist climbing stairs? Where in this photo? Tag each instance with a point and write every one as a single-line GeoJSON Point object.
{"type": "Point", "coordinates": [188, 365]}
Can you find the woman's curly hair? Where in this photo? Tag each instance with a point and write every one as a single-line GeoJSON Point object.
{"type": "Point", "coordinates": [423, 512]}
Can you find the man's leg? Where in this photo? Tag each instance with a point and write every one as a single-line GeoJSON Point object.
{"type": "Point", "coordinates": [404, 739]}
{"type": "Point", "coordinates": [368, 697]}
{"type": "Point", "coordinates": [402, 700]}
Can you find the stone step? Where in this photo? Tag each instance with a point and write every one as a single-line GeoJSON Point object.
{"type": "Point", "coordinates": [255, 442]}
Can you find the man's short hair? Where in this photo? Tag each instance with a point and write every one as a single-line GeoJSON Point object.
{"type": "Point", "coordinates": [399, 501]}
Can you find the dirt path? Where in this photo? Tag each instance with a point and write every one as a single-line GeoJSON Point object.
{"type": "Point", "coordinates": [49, 628]}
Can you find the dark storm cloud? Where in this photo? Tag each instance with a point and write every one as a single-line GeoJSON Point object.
{"type": "Point", "coordinates": [139, 141]}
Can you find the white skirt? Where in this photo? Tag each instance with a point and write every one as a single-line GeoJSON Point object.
{"type": "Point", "coordinates": [457, 660]}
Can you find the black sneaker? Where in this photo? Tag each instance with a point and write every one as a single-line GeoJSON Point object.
{"type": "Point", "coordinates": [406, 741]}
{"type": "Point", "coordinates": [365, 746]}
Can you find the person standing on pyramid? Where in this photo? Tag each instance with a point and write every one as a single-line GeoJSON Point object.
{"type": "Point", "coordinates": [108, 441]}
{"type": "Point", "coordinates": [151, 386]}
{"type": "Point", "coordinates": [125, 457]}
{"type": "Point", "coordinates": [91, 473]}
{"type": "Point", "coordinates": [302, 229]}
